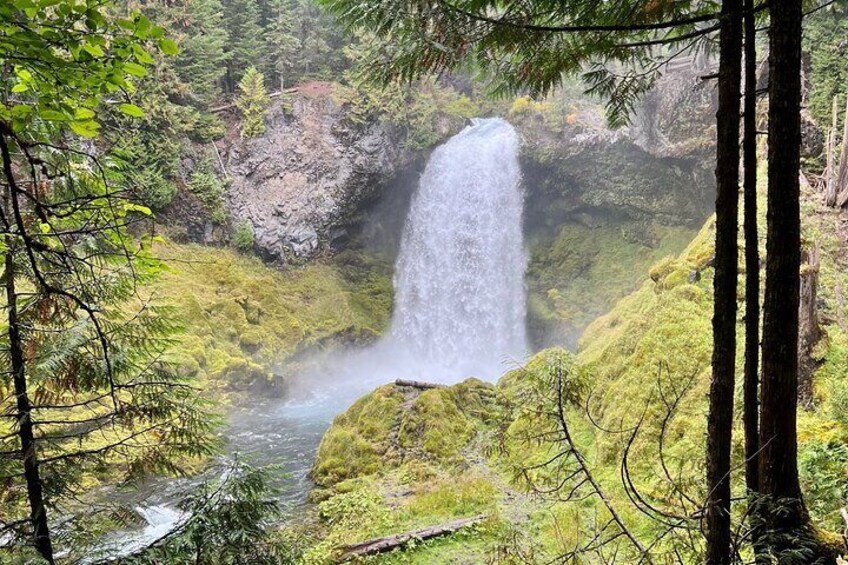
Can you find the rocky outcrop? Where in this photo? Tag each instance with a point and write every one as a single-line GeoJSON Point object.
{"type": "Point", "coordinates": [658, 168]}
{"type": "Point", "coordinates": [307, 180]}
{"type": "Point", "coordinates": [299, 183]}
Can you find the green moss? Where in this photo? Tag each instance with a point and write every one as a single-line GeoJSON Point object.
{"type": "Point", "coordinates": [579, 273]}
{"type": "Point", "coordinates": [358, 442]}
{"type": "Point", "coordinates": [436, 425]}
{"type": "Point", "coordinates": [243, 317]}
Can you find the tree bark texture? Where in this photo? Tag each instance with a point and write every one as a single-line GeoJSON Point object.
{"type": "Point", "coordinates": [720, 419]}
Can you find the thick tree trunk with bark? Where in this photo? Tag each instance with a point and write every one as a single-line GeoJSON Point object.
{"type": "Point", "coordinates": [29, 452]}
{"type": "Point", "coordinates": [787, 528]}
{"type": "Point", "coordinates": [752, 257]}
{"type": "Point", "coordinates": [720, 421]}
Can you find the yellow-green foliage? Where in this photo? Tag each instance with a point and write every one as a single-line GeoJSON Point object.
{"type": "Point", "coordinates": [524, 106]}
{"type": "Point", "coordinates": [243, 317]}
{"type": "Point", "coordinates": [447, 497]}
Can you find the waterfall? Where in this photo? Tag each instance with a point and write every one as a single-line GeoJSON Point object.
{"type": "Point", "coordinates": [460, 303]}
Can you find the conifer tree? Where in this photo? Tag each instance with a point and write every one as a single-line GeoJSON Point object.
{"type": "Point", "coordinates": [252, 101]}
{"type": "Point", "coordinates": [86, 387]}
{"type": "Point", "coordinates": [245, 47]}
{"type": "Point", "coordinates": [202, 59]}
{"type": "Point", "coordinates": [283, 46]}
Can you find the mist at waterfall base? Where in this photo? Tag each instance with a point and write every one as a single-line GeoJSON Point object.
{"type": "Point", "coordinates": [460, 304]}
{"type": "Point", "coordinates": [459, 312]}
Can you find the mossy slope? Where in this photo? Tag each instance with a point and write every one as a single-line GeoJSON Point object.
{"type": "Point", "coordinates": [244, 319]}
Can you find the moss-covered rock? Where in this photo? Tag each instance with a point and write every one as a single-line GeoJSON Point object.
{"type": "Point", "coordinates": [579, 273]}
{"type": "Point", "coordinates": [360, 440]}
{"type": "Point", "coordinates": [396, 424]}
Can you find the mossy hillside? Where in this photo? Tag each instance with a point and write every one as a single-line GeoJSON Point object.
{"type": "Point", "coordinates": [655, 344]}
{"type": "Point", "coordinates": [578, 273]}
{"type": "Point", "coordinates": [244, 319]}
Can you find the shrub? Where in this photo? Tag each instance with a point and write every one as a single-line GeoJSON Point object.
{"type": "Point", "coordinates": [154, 189]}
{"type": "Point", "coordinates": [243, 236]}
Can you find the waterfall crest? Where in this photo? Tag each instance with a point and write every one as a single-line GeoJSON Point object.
{"type": "Point", "coordinates": [460, 302]}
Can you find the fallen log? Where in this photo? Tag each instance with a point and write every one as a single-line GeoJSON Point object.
{"type": "Point", "coordinates": [417, 384]}
{"type": "Point", "coordinates": [388, 543]}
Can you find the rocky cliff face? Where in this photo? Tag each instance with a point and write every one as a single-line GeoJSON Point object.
{"type": "Point", "coordinates": [300, 182]}
{"type": "Point", "coordinates": [306, 181]}
{"type": "Point", "coordinates": [658, 168]}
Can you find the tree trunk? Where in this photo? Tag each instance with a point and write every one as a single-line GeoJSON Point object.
{"type": "Point", "coordinates": [720, 421]}
{"type": "Point", "coordinates": [783, 512]}
{"type": "Point", "coordinates": [830, 166]}
{"type": "Point", "coordinates": [841, 176]}
{"type": "Point", "coordinates": [752, 258]}
{"type": "Point", "coordinates": [809, 331]}
{"type": "Point", "coordinates": [29, 452]}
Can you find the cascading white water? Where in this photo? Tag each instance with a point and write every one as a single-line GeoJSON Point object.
{"type": "Point", "coordinates": [459, 280]}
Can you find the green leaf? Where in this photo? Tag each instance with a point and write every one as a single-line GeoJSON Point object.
{"type": "Point", "coordinates": [130, 207]}
{"type": "Point", "coordinates": [21, 111]}
{"type": "Point", "coordinates": [131, 110]}
{"type": "Point", "coordinates": [83, 114]}
{"type": "Point", "coordinates": [20, 87]}
{"type": "Point", "coordinates": [168, 47]}
{"type": "Point", "coordinates": [141, 55]}
{"type": "Point", "coordinates": [93, 50]}
{"type": "Point", "coordinates": [87, 129]}
{"type": "Point", "coordinates": [53, 115]}
{"type": "Point", "coordinates": [135, 69]}
{"type": "Point", "coordinates": [142, 26]}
